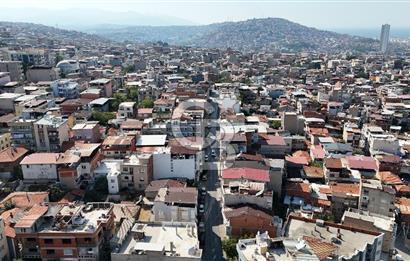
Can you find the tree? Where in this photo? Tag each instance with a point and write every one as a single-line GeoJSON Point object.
{"type": "Point", "coordinates": [146, 103]}
{"type": "Point", "coordinates": [103, 117]}
{"type": "Point", "coordinates": [98, 192]}
{"type": "Point", "coordinates": [118, 99]}
{"type": "Point", "coordinates": [276, 124]}
{"type": "Point", "coordinates": [56, 192]}
{"type": "Point", "coordinates": [128, 69]}
{"type": "Point", "coordinates": [229, 247]}
{"type": "Point", "coordinates": [133, 94]}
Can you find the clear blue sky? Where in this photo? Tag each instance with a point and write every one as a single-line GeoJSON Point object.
{"type": "Point", "coordinates": [317, 13]}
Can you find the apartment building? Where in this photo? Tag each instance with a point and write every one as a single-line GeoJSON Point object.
{"type": "Point", "coordinates": [50, 133]}
{"type": "Point", "coordinates": [75, 232]}
{"type": "Point", "coordinates": [373, 222]}
{"type": "Point", "coordinates": [127, 110]}
{"type": "Point", "coordinates": [15, 69]}
{"type": "Point", "coordinates": [105, 85]}
{"type": "Point", "coordinates": [160, 241]}
{"type": "Point", "coordinates": [377, 198]}
{"type": "Point", "coordinates": [66, 88]}
{"type": "Point", "coordinates": [22, 133]}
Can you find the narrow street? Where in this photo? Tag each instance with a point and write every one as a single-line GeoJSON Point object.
{"type": "Point", "coordinates": [213, 216]}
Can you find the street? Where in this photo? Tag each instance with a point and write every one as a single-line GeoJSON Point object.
{"type": "Point", "coordinates": [213, 216]}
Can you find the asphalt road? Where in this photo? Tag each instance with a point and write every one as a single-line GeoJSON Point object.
{"type": "Point", "coordinates": [212, 249]}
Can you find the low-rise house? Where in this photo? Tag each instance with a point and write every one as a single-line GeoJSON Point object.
{"type": "Point", "coordinates": [154, 186]}
{"type": "Point", "coordinates": [343, 196]}
{"type": "Point", "coordinates": [87, 131]}
{"type": "Point", "coordinates": [390, 163]}
{"type": "Point", "coordinates": [337, 149]}
{"type": "Point", "coordinates": [176, 204]}
{"type": "Point", "coordinates": [40, 168]}
{"type": "Point", "coordinates": [10, 159]}
{"type": "Point", "coordinates": [72, 106]}
{"type": "Point", "coordinates": [118, 146]}
{"type": "Point", "coordinates": [366, 166]}
{"type": "Point", "coordinates": [131, 127]}
{"type": "Point", "coordinates": [247, 220]}
{"type": "Point", "coordinates": [246, 186]}
{"type": "Point", "coordinates": [99, 104]}
{"type": "Point", "coordinates": [90, 157]}
{"type": "Point", "coordinates": [273, 146]}
{"type": "Point", "coordinates": [144, 113]}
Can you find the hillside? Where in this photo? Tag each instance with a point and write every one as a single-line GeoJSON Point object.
{"type": "Point", "coordinates": [26, 33]}
{"type": "Point", "coordinates": [249, 35]}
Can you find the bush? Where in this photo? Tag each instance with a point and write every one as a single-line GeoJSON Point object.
{"type": "Point", "coordinates": [57, 192]}
{"type": "Point", "coordinates": [229, 247]}
{"type": "Point", "coordinates": [146, 103]}
{"type": "Point", "coordinates": [103, 117]}
{"type": "Point", "coordinates": [99, 191]}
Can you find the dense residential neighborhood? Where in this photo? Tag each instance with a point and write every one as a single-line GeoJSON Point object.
{"type": "Point", "coordinates": [129, 151]}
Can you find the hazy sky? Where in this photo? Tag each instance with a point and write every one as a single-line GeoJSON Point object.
{"type": "Point", "coordinates": [317, 13]}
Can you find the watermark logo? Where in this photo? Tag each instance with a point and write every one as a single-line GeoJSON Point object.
{"type": "Point", "coordinates": [195, 124]}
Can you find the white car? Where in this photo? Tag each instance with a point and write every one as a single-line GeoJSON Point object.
{"type": "Point", "coordinates": [201, 208]}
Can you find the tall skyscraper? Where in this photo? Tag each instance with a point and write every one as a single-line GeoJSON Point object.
{"type": "Point", "coordinates": [384, 37]}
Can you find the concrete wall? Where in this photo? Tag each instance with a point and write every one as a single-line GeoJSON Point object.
{"type": "Point", "coordinates": [166, 167]}
{"type": "Point", "coordinates": [39, 172]}
{"type": "Point", "coordinates": [239, 199]}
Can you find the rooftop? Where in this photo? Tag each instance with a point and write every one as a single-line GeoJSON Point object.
{"type": "Point", "coordinates": [151, 140]}
{"type": "Point", "coordinates": [166, 238]}
{"type": "Point", "coordinates": [352, 239]}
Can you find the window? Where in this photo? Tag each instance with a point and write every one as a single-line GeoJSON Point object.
{"type": "Point", "coordinates": [32, 250]}
{"type": "Point", "coordinates": [48, 241]}
{"type": "Point", "coordinates": [366, 192]}
{"type": "Point", "coordinates": [87, 239]}
{"type": "Point", "coordinates": [66, 241]}
{"type": "Point", "coordinates": [112, 180]}
{"type": "Point", "coordinates": [68, 252]}
{"type": "Point", "coordinates": [51, 251]}
{"type": "Point", "coordinates": [126, 177]}
{"type": "Point", "coordinates": [83, 167]}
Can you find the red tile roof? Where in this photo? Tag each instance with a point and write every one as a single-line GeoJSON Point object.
{"type": "Point", "coordinates": [246, 173]}
{"type": "Point", "coordinates": [41, 158]}
{"type": "Point", "coordinates": [362, 162]}
{"type": "Point", "coordinates": [10, 155]}
{"type": "Point", "coordinates": [317, 152]}
{"type": "Point", "coordinates": [388, 178]}
{"type": "Point", "coordinates": [26, 199]}
{"type": "Point", "coordinates": [333, 163]}
{"type": "Point", "coordinates": [313, 172]}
